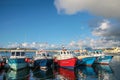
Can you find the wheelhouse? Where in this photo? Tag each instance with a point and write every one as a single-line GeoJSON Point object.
{"type": "Point", "coordinates": [17, 53]}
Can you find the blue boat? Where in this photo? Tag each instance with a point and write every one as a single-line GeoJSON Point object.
{"type": "Point", "coordinates": [88, 61]}
{"type": "Point", "coordinates": [102, 58]}
{"type": "Point", "coordinates": [42, 59]}
{"type": "Point", "coordinates": [85, 59]}
{"type": "Point", "coordinates": [17, 60]}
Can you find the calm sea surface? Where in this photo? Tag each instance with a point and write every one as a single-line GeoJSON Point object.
{"type": "Point", "coordinates": [96, 72]}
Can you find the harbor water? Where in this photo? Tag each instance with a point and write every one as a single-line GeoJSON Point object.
{"type": "Point", "coordinates": [96, 72]}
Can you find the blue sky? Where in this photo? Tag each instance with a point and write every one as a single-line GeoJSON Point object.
{"type": "Point", "coordinates": [45, 21]}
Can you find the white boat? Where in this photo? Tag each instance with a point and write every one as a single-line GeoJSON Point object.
{"type": "Point", "coordinates": [42, 59]}
{"type": "Point", "coordinates": [17, 59]}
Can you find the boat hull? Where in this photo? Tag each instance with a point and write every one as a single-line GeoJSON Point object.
{"type": "Point", "coordinates": [17, 64]}
{"type": "Point", "coordinates": [67, 63]}
{"type": "Point", "coordinates": [43, 63]}
{"type": "Point", "coordinates": [103, 60]}
{"type": "Point", "coordinates": [88, 61]}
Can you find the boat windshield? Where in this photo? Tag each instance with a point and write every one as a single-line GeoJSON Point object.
{"type": "Point", "coordinates": [43, 54]}
{"type": "Point", "coordinates": [22, 53]}
{"type": "Point", "coordinates": [17, 53]}
{"type": "Point", "coordinates": [13, 53]}
{"type": "Point", "coordinates": [48, 55]}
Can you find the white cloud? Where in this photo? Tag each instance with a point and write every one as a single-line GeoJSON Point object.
{"type": "Point", "coordinates": [107, 8]}
{"type": "Point", "coordinates": [35, 45]}
{"type": "Point", "coordinates": [108, 30]}
{"type": "Point", "coordinates": [94, 43]}
{"type": "Point", "coordinates": [88, 42]}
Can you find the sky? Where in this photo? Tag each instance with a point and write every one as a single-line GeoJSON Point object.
{"type": "Point", "coordinates": [52, 23]}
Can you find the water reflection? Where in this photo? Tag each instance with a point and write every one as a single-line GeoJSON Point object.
{"type": "Point", "coordinates": [1, 74]}
{"type": "Point", "coordinates": [39, 74]}
{"type": "Point", "coordinates": [103, 72]}
{"type": "Point", "coordinates": [85, 72]}
{"type": "Point", "coordinates": [22, 74]}
{"type": "Point", "coordinates": [65, 74]}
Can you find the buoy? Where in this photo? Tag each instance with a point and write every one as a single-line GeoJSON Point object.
{"type": "Point", "coordinates": [3, 64]}
{"type": "Point", "coordinates": [27, 60]}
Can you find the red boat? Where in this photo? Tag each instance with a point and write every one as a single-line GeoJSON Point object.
{"type": "Point", "coordinates": [65, 59]}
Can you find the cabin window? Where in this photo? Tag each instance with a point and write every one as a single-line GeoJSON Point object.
{"type": "Point", "coordinates": [43, 54]}
{"type": "Point", "coordinates": [61, 52]}
{"type": "Point", "coordinates": [13, 53]}
{"type": "Point", "coordinates": [97, 52]}
{"type": "Point", "coordinates": [17, 53]}
{"type": "Point", "coordinates": [22, 53]}
{"type": "Point", "coordinates": [38, 54]}
{"type": "Point", "coordinates": [67, 52]}
{"type": "Point", "coordinates": [64, 53]}
{"type": "Point", "coordinates": [47, 54]}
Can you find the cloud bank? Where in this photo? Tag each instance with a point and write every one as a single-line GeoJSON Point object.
{"type": "Point", "coordinates": [107, 8]}
{"type": "Point", "coordinates": [108, 30]}
{"type": "Point", "coordinates": [80, 44]}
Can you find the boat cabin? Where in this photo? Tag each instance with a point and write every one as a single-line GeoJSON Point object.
{"type": "Point", "coordinates": [66, 52]}
{"type": "Point", "coordinates": [17, 54]}
{"type": "Point", "coordinates": [41, 53]}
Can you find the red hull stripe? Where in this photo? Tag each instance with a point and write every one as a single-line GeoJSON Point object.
{"type": "Point", "coordinates": [67, 62]}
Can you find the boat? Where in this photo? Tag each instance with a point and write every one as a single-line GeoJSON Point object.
{"type": "Point", "coordinates": [102, 58]}
{"type": "Point", "coordinates": [65, 58]}
{"type": "Point", "coordinates": [42, 59]}
{"type": "Point", "coordinates": [18, 60]}
{"type": "Point", "coordinates": [85, 59]}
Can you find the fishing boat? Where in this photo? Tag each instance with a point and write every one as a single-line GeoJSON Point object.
{"type": "Point", "coordinates": [65, 58]}
{"type": "Point", "coordinates": [102, 58]}
{"type": "Point", "coordinates": [85, 59]}
{"type": "Point", "coordinates": [42, 59]}
{"type": "Point", "coordinates": [18, 60]}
